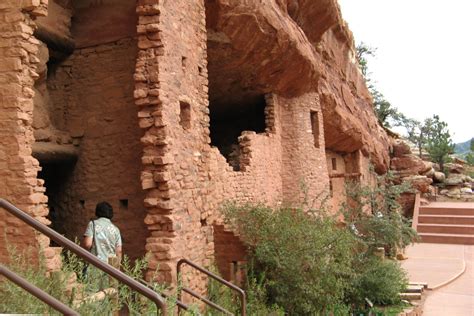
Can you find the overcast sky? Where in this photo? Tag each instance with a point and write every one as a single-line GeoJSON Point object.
{"type": "Point", "coordinates": [424, 62]}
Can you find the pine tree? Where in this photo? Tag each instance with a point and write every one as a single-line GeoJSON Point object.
{"type": "Point", "coordinates": [438, 140]}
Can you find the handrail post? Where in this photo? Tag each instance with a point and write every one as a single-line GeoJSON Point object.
{"type": "Point", "coordinates": [87, 256]}
{"type": "Point", "coordinates": [40, 294]}
{"type": "Point", "coordinates": [243, 304]}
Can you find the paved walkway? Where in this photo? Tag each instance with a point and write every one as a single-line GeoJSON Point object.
{"type": "Point", "coordinates": [449, 272]}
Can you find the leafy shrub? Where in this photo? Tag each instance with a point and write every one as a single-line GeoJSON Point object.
{"type": "Point", "coordinates": [305, 259]}
{"type": "Point", "coordinates": [14, 299]}
{"type": "Point", "coordinates": [378, 280]}
{"type": "Point", "coordinates": [256, 296]}
{"type": "Point", "coordinates": [374, 215]}
{"type": "Point", "coordinates": [309, 263]}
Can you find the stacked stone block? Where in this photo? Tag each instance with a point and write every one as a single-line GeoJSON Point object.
{"type": "Point", "coordinates": [18, 169]}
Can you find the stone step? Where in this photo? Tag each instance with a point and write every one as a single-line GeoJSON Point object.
{"type": "Point", "coordinates": [410, 296]}
{"type": "Point", "coordinates": [445, 229]}
{"type": "Point", "coordinates": [447, 239]}
{"type": "Point", "coordinates": [423, 284]}
{"type": "Point", "coordinates": [414, 288]}
{"type": "Point", "coordinates": [438, 210]}
{"type": "Point", "coordinates": [446, 219]}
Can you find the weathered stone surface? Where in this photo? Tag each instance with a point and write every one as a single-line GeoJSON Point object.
{"type": "Point", "coordinates": [139, 97]}
{"type": "Point", "coordinates": [55, 28]}
{"type": "Point", "coordinates": [420, 183]}
{"type": "Point", "coordinates": [454, 180]}
{"type": "Point", "coordinates": [400, 148]}
{"type": "Point", "coordinates": [459, 161]}
{"type": "Point", "coordinates": [18, 169]}
{"type": "Point", "coordinates": [454, 168]}
{"type": "Point", "coordinates": [454, 193]}
{"type": "Point", "coordinates": [347, 108]}
{"type": "Point", "coordinates": [428, 169]}
{"type": "Point", "coordinates": [439, 177]}
{"type": "Point", "coordinates": [430, 173]}
{"type": "Point", "coordinates": [408, 164]}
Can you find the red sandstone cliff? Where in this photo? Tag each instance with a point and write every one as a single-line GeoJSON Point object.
{"type": "Point", "coordinates": [292, 47]}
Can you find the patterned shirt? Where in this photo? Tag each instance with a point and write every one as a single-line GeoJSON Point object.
{"type": "Point", "coordinates": [106, 238]}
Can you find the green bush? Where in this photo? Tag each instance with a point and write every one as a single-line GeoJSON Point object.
{"type": "Point", "coordinates": [378, 280]}
{"type": "Point", "coordinates": [309, 263]}
{"type": "Point", "coordinates": [256, 296]}
{"type": "Point", "coordinates": [374, 215]}
{"type": "Point", "coordinates": [14, 299]}
{"type": "Point", "coordinates": [305, 260]}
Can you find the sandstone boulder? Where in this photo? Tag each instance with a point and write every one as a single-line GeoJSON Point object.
{"type": "Point", "coordinates": [454, 168]}
{"type": "Point", "coordinates": [454, 180]}
{"type": "Point", "coordinates": [420, 183]}
{"type": "Point", "coordinates": [430, 173]}
{"type": "Point", "coordinates": [444, 192]}
{"type": "Point", "coordinates": [407, 203]}
{"type": "Point", "coordinates": [400, 148]}
{"type": "Point", "coordinates": [454, 193]}
{"type": "Point", "coordinates": [408, 164]}
{"type": "Point", "coordinates": [466, 191]}
{"type": "Point", "coordinates": [439, 177]}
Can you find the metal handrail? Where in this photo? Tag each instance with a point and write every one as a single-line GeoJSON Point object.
{"type": "Point", "coordinates": [178, 302]}
{"type": "Point", "coordinates": [243, 303]}
{"type": "Point", "coordinates": [36, 291]}
{"type": "Point", "coordinates": [87, 256]}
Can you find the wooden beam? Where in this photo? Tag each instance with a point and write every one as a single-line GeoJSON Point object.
{"type": "Point", "coordinates": [47, 152]}
{"type": "Point", "coordinates": [54, 40]}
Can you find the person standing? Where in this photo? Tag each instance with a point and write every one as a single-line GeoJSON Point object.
{"type": "Point", "coordinates": [102, 237]}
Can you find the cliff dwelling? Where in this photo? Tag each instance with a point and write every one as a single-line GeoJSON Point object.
{"type": "Point", "coordinates": [87, 138]}
{"type": "Point", "coordinates": [168, 109]}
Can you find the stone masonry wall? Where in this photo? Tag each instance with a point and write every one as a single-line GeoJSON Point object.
{"type": "Point", "coordinates": [94, 87]}
{"type": "Point", "coordinates": [137, 109]}
{"type": "Point", "coordinates": [338, 178]}
{"type": "Point", "coordinates": [304, 170]}
{"type": "Point", "coordinates": [185, 178]}
{"type": "Point", "coordinates": [18, 169]}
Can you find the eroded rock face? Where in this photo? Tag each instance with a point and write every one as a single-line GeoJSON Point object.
{"type": "Point", "coordinates": [454, 180]}
{"type": "Point", "coordinates": [439, 177]}
{"type": "Point", "coordinates": [349, 119]}
{"type": "Point", "coordinates": [408, 164]}
{"type": "Point", "coordinates": [454, 168]}
{"type": "Point", "coordinates": [400, 148]}
{"type": "Point", "coordinates": [290, 47]}
{"type": "Point", "coordinates": [420, 183]}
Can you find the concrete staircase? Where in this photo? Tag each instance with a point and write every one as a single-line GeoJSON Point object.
{"type": "Point", "coordinates": [446, 223]}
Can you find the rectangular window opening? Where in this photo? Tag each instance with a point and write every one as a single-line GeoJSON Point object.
{"type": "Point", "coordinates": [123, 204]}
{"type": "Point", "coordinates": [185, 115]}
{"type": "Point", "coordinates": [334, 163]}
{"type": "Point", "coordinates": [315, 127]}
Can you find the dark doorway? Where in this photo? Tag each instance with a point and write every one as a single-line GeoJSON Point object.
{"type": "Point", "coordinates": [228, 121]}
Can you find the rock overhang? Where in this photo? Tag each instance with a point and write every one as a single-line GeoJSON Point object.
{"type": "Point", "coordinates": [290, 48]}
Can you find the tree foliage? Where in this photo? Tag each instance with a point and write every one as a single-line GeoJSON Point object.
{"type": "Point", "coordinates": [387, 114]}
{"type": "Point", "coordinates": [432, 134]}
{"type": "Point", "coordinates": [362, 52]}
{"type": "Point", "coordinates": [438, 140]}
{"type": "Point", "coordinates": [470, 155]}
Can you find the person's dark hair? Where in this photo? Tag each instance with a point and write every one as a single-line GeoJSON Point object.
{"type": "Point", "coordinates": [104, 209]}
